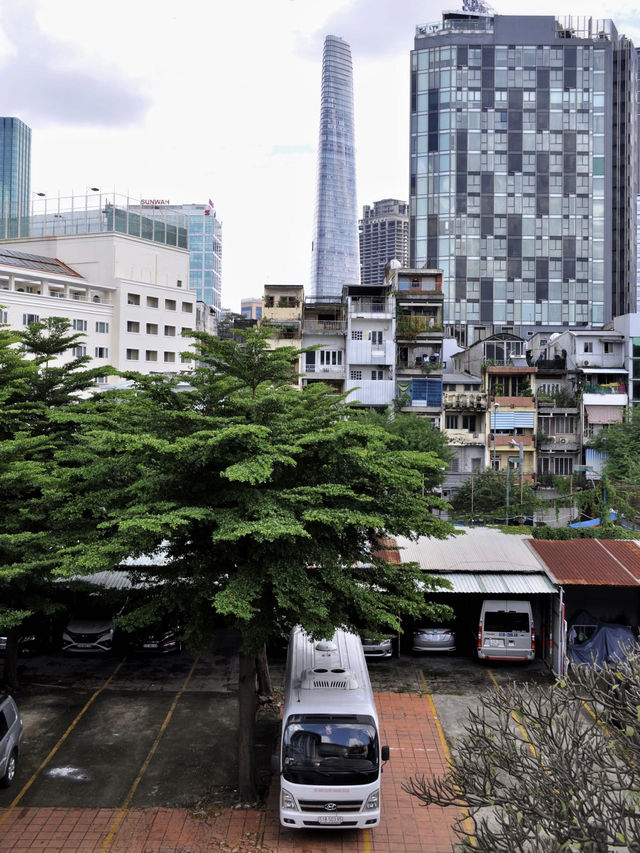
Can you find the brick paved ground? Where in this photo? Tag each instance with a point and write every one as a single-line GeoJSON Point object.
{"type": "Point", "coordinates": [408, 724]}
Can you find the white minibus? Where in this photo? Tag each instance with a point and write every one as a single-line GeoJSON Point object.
{"type": "Point", "coordinates": [506, 630]}
{"type": "Point", "coordinates": [330, 754]}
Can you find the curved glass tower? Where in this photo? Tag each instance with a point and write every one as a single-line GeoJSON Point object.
{"type": "Point", "coordinates": [334, 251]}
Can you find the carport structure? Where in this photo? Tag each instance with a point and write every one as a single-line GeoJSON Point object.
{"type": "Point", "coordinates": [601, 576]}
{"type": "Point", "coordinates": [486, 563]}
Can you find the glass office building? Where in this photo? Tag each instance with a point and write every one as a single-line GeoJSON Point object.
{"type": "Point", "coordinates": [15, 176]}
{"type": "Point", "coordinates": [384, 236]}
{"type": "Point", "coordinates": [524, 170]}
{"type": "Point", "coordinates": [204, 231]}
{"type": "Point", "coordinates": [334, 251]}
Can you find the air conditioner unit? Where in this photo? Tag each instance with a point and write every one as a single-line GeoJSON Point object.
{"type": "Point", "coordinates": [562, 440]}
{"type": "Point", "coordinates": [585, 363]}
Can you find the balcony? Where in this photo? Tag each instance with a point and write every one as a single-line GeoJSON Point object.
{"type": "Point", "coordinates": [321, 371]}
{"type": "Point", "coordinates": [464, 438]}
{"type": "Point", "coordinates": [411, 328]}
{"type": "Point", "coordinates": [476, 400]}
{"type": "Point", "coordinates": [370, 307]}
{"type": "Point", "coordinates": [319, 327]}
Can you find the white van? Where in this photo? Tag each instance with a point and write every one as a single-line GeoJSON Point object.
{"type": "Point", "coordinates": [506, 630]}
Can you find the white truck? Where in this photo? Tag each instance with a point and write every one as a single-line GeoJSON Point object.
{"type": "Point", "coordinates": [330, 755]}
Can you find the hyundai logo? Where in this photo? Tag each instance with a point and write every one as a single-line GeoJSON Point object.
{"type": "Point", "coordinates": [330, 807]}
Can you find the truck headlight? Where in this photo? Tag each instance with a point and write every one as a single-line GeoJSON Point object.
{"type": "Point", "coordinates": [287, 801]}
{"type": "Point", "coordinates": [373, 800]}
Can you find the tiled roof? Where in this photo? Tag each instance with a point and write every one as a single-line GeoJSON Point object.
{"type": "Point", "coordinates": [590, 562]}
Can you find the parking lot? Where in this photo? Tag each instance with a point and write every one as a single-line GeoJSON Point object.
{"type": "Point", "coordinates": [149, 733]}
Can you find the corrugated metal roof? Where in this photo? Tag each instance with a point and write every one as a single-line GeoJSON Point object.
{"type": "Point", "coordinates": [497, 583]}
{"type": "Point", "coordinates": [591, 562]}
{"type": "Point", "coordinates": [476, 549]}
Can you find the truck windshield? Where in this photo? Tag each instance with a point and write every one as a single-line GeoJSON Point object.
{"type": "Point", "coordinates": [330, 752]}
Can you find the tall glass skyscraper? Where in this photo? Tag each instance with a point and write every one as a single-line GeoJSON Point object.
{"type": "Point", "coordinates": [15, 176]}
{"type": "Point", "coordinates": [524, 170]}
{"type": "Point", "coordinates": [334, 251]}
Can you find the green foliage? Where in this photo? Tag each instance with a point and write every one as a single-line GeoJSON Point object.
{"type": "Point", "coordinates": [621, 444]}
{"type": "Point", "coordinates": [262, 500]}
{"type": "Point", "coordinates": [36, 399]}
{"type": "Point", "coordinates": [484, 495]}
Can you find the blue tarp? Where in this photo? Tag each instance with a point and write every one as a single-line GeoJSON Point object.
{"type": "Point", "coordinates": [596, 643]}
{"type": "Point", "coordinates": [594, 522]}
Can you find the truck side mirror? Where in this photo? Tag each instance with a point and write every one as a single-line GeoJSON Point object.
{"type": "Point", "coordinates": [384, 752]}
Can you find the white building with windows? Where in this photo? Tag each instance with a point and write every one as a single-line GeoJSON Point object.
{"type": "Point", "coordinates": [370, 345]}
{"type": "Point", "coordinates": [128, 295]}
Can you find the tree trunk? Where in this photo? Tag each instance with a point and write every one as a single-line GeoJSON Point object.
{"type": "Point", "coordinates": [246, 728]}
{"type": "Point", "coordinates": [265, 688]}
{"type": "Point", "coordinates": [10, 675]}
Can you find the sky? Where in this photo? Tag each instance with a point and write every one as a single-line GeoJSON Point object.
{"type": "Point", "coordinates": [205, 99]}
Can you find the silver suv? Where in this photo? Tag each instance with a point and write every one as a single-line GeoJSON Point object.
{"type": "Point", "coordinates": [10, 739]}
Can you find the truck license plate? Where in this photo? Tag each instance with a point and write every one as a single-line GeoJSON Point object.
{"type": "Point", "coordinates": [330, 818]}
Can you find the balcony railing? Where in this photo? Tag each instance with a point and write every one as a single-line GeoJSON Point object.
{"type": "Point", "coordinates": [325, 326]}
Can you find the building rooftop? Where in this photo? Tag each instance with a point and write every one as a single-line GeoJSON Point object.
{"type": "Point", "coordinates": [11, 258]}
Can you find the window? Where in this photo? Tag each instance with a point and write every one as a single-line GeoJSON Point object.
{"type": "Point", "coordinates": [4, 317]}
{"type": "Point", "coordinates": [587, 346]}
{"type": "Point", "coordinates": [152, 301]}
{"type": "Point", "coordinates": [132, 355]}
{"type": "Point", "coordinates": [102, 352]}
{"type": "Point", "coordinates": [169, 357]}
{"type": "Point", "coordinates": [185, 359]}
{"type": "Point", "coordinates": [79, 351]}
{"type": "Point", "coordinates": [377, 374]}
{"type": "Point", "coordinates": [179, 283]}
{"type": "Point", "coordinates": [451, 422]}
{"type": "Point", "coordinates": [356, 336]}
{"type": "Point", "coordinates": [608, 347]}
{"type": "Point", "coordinates": [187, 307]}
{"type": "Point", "coordinates": [28, 319]}
{"type": "Point", "coordinates": [563, 465]}
{"type": "Point", "coordinates": [170, 304]}
{"type": "Point", "coordinates": [152, 328]}
{"type": "Point", "coordinates": [170, 331]}
{"type": "Point", "coordinates": [102, 327]}
{"type": "Point", "coordinates": [376, 338]}
{"type": "Point", "coordinates": [102, 380]}
{"type": "Point", "coordinates": [355, 374]}
{"type": "Point", "coordinates": [186, 330]}
{"type": "Point", "coordinates": [469, 423]}
{"type": "Point", "coordinates": [80, 325]}
{"type": "Point", "coordinates": [330, 357]}
{"type": "Point", "coordinates": [132, 326]}
{"type": "Point", "coordinates": [151, 355]}
{"type": "Point", "coordinates": [133, 299]}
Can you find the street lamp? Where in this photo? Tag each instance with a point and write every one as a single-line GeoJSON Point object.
{"type": "Point", "coordinates": [496, 406]}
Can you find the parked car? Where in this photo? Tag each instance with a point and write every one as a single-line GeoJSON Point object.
{"type": "Point", "coordinates": [376, 648]}
{"type": "Point", "coordinates": [441, 638]}
{"type": "Point", "coordinates": [91, 627]}
{"type": "Point", "coordinates": [35, 636]}
{"type": "Point", "coordinates": [11, 734]}
{"type": "Point", "coordinates": [162, 637]}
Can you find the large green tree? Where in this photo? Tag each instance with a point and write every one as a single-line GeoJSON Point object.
{"type": "Point", "coordinates": [266, 502]}
{"type": "Point", "coordinates": [37, 395]}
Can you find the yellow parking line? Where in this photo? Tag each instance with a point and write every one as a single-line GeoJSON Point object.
{"type": "Point", "coordinates": [123, 808]}
{"type": "Point", "coordinates": [515, 718]}
{"type": "Point", "coordinates": [17, 799]}
{"type": "Point", "coordinates": [366, 838]}
{"type": "Point", "coordinates": [447, 752]}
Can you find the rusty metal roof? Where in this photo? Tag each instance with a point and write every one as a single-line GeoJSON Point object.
{"type": "Point", "coordinates": [590, 562]}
